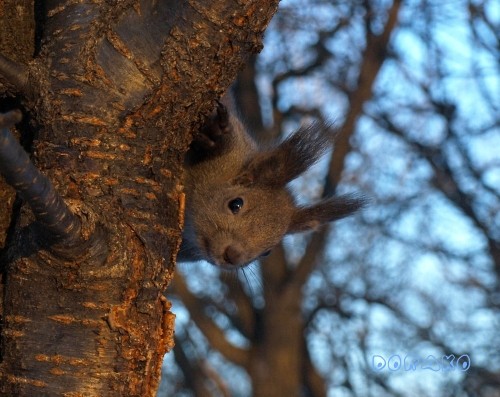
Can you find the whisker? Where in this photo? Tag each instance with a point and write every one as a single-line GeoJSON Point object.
{"type": "Point", "coordinates": [250, 288]}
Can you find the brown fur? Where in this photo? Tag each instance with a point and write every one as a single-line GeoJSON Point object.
{"type": "Point", "coordinates": [224, 164]}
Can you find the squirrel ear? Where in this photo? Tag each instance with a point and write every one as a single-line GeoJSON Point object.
{"type": "Point", "coordinates": [265, 169]}
{"type": "Point", "coordinates": [285, 162]}
{"type": "Point", "coordinates": [328, 210]}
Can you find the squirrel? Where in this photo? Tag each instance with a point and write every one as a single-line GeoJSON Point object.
{"type": "Point", "coordinates": [238, 206]}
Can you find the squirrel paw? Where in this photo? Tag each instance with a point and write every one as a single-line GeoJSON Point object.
{"type": "Point", "coordinates": [214, 130]}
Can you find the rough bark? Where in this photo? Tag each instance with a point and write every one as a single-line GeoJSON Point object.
{"type": "Point", "coordinates": [113, 95]}
{"type": "Point", "coordinates": [16, 41]}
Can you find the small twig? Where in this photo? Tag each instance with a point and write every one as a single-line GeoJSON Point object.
{"type": "Point", "coordinates": [49, 208]}
{"type": "Point", "coordinates": [14, 73]}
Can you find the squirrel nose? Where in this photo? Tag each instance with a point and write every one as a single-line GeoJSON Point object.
{"type": "Point", "coordinates": [232, 255]}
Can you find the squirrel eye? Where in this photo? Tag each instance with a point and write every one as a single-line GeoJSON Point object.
{"type": "Point", "coordinates": [236, 205]}
{"type": "Point", "coordinates": [267, 253]}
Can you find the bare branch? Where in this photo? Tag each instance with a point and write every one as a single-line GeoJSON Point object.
{"type": "Point", "coordinates": [14, 73]}
{"type": "Point", "coordinates": [213, 333]}
{"type": "Point", "coordinates": [19, 172]}
{"type": "Point", "coordinates": [372, 62]}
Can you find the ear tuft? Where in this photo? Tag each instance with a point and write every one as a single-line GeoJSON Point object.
{"type": "Point", "coordinates": [328, 210]}
{"type": "Point", "coordinates": [293, 156]}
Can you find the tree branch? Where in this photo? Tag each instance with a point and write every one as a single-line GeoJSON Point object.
{"type": "Point", "coordinates": [14, 73]}
{"type": "Point", "coordinates": [373, 58]}
{"type": "Point", "coordinates": [213, 333]}
{"type": "Point", "coordinates": [372, 63]}
{"type": "Point", "coordinates": [445, 181]}
{"type": "Point", "coordinates": [49, 208]}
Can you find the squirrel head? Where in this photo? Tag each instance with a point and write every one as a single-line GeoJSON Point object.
{"type": "Point", "coordinates": [231, 224]}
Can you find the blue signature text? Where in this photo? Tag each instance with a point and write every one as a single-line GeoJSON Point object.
{"type": "Point", "coordinates": [412, 363]}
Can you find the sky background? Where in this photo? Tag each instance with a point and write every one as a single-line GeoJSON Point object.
{"type": "Point", "coordinates": [414, 270]}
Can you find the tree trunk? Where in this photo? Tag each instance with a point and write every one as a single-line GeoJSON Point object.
{"type": "Point", "coordinates": [276, 364]}
{"type": "Point", "coordinates": [112, 97]}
